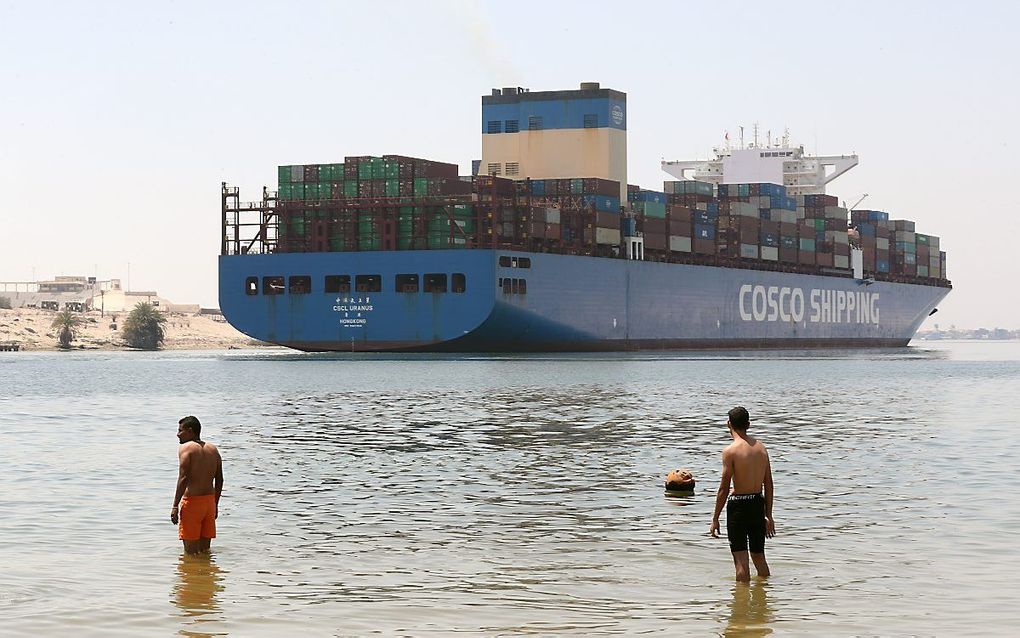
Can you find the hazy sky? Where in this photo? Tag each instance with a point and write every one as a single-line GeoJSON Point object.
{"type": "Point", "coordinates": [119, 120]}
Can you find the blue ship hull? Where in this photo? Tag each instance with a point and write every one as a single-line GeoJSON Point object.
{"type": "Point", "coordinates": [570, 303]}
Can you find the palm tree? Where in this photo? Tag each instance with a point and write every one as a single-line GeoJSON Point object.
{"type": "Point", "coordinates": [143, 328]}
{"type": "Point", "coordinates": [67, 323]}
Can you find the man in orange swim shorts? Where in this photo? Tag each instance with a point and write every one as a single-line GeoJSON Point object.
{"type": "Point", "coordinates": [199, 485]}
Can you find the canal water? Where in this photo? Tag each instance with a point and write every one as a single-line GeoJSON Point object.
{"type": "Point", "coordinates": [488, 495]}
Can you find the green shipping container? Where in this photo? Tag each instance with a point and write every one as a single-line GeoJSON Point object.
{"type": "Point", "coordinates": [807, 245]}
{"type": "Point", "coordinates": [651, 209]}
{"type": "Point", "coordinates": [369, 242]}
{"type": "Point", "coordinates": [350, 189]}
{"type": "Point", "coordinates": [285, 192]}
{"type": "Point", "coordinates": [392, 188]}
{"type": "Point", "coordinates": [421, 186]}
{"type": "Point", "coordinates": [576, 186]}
{"type": "Point", "coordinates": [819, 224]}
{"type": "Point", "coordinates": [391, 170]}
{"type": "Point", "coordinates": [284, 174]}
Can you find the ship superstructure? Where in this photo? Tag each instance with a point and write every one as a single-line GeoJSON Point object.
{"type": "Point", "coordinates": [777, 162]}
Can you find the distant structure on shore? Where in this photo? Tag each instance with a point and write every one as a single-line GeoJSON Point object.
{"type": "Point", "coordinates": [83, 294]}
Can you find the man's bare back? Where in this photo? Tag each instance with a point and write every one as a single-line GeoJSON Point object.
{"type": "Point", "coordinates": [200, 461]}
{"type": "Point", "coordinates": [745, 466]}
{"type": "Point", "coordinates": [750, 462]}
{"type": "Point", "coordinates": [199, 485]}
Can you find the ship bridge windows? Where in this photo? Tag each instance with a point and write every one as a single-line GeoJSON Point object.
{"type": "Point", "coordinates": [511, 126]}
{"type": "Point", "coordinates": [435, 282]}
{"type": "Point", "coordinates": [300, 285]}
{"type": "Point", "coordinates": [407, 283]}
{"type": "Point", "coordinates": [535, 123]}
{"type": "Point", "coordinates": [513, 286]}
{"type": "Point", "coordinates": [495, 126]}
{"type": "Point", "coordinates": [251, 286]}
{"type": "Point", "coordinates": [368, 283]}
{"type": "Point", "coordinates": [458, 282]}
{"type": "Point", "coordinates": [506, 261]}
{"type": "Point", "coordinates": [273, 285]}
{"type": "Point", "coordinates": [337, 283]}
{"type": "Point", "coordinates": [591, 120]}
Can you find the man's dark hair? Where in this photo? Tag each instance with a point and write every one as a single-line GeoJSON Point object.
{"type": "Point", "coordinates": [739, 418]}
{"type": "Point", "coordinates": [192, 424]}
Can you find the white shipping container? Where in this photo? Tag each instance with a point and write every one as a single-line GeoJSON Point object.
{"type": "Point", "coordinates": [840, 261]}
{"type": "Point", "coordinates": [835, 212]}
{"type": "Point", "coordinates": [922, 271]}
{"type": "Point", "coordinates": [882, 243]}
{"type": "Point", "coordinates": [905, 235]}
{"type": "Point", "coordinates": [935, 272]}
{"type": "Point", "coordinates": [770, 253]}
{"type": "Point", "coordinates": [743, 209]}
{"type": "Point", "coordinates": [679, 244]}
{"type": "Point", "coordinates": [609, 236]}
{"type": "Point", "coordinates": [749, 251]}
{"type": "Point", "coordinates": [552, 215]}
{"type": "Point", "coordinates": [837, 236]}
{"type": "Point", "coordinates": [297, 173]}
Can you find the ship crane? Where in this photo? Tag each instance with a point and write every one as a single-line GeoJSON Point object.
{"type": "Point", "coordinates": [857, 203]}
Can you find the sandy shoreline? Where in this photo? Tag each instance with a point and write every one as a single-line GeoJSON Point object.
{"type": "Point", "coordinates": [31, 330]}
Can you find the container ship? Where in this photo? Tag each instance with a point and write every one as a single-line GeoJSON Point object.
{"type": "Point", "coordinates": [546, 247]}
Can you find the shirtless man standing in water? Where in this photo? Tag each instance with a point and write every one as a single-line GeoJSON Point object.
{"type": "Point", "coordinates": [748, 510]}
{"type": "Point", "coordinates": [199, 485]}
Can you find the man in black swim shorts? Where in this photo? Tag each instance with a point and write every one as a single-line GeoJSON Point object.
{"type": "Point", "coordinates": [749, 506]}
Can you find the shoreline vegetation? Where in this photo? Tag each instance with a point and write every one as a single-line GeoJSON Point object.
{"type": "Point", "coordinates": [32, 329]}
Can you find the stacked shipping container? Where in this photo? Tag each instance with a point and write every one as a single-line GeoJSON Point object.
{"type": "Point", "coordinates": [395, 202]}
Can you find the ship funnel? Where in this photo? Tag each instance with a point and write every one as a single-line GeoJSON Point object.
{"type": "Point", "coordinates": [589, 86]}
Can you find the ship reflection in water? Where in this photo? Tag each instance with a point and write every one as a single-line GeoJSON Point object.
{"type": "Point", "coordinates": [196, 594]}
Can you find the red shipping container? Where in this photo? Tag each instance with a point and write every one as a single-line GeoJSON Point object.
{"type": "Point", "coordinates": [806, 257]}
{"type": "Point", "coordinates": [788, 255]}
{"type": "Point", "coordinates": [824, 259]}
{"type": "Point", "coordinates": [656, 241]}
{"type": "Point", "coordinates": [681, 228]}
{"type": "Point", "coordinates": [607, 220]}
{"type": "Point", "coordinates": [655, 226]}
{"type": "Point", "coordinates": [704, 246]}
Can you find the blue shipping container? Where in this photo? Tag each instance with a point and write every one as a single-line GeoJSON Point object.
{"type": "Point", "coordinates": [602, 202]}
{"type": "Point", "coordinates": [648, 196]}
{"type": "Point", "coordinates": [705, 217]}
{"type": "Point", "coordinates": [628, 226]}
{"type": "Point", "coordinates": [882, 266]}
{"type": "Point", "coordinates": [704, 231]}
{"type": "Point", "coordinates": [877, 216]}
{"type": "Point", "coordinates": [769, 239]}
{"type": "Point", "coordinates": [866, 230]}
{"type": "Point", "coordinates": [713, 207]}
